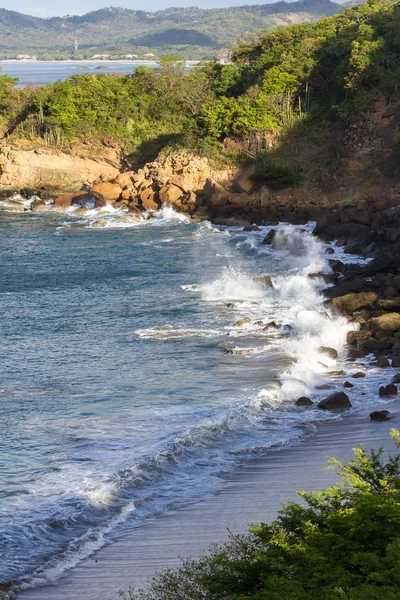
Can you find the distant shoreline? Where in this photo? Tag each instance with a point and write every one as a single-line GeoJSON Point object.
{"type": "Point", "coordinates": [90, 61]}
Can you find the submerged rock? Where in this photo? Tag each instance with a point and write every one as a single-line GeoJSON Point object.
{"type": "Point", "coordinates": [336, 373]}
{"type": "Point", "coordinates": [265, 281]}
{"type": "Point", "coordinates": [358, 375]}
{"type": "Point", "coordinates": [236, 351]}
{"type": "Point", "coordinates": [38, 206]}
{"type": "Point", "coordinates": [380, 415]}
{"type": "Point", "coordinates": [347, 384]}
{"type": "Point", "coordinates": [329, 351]}
{"type": "Point", "coordinates": [131, 218]}
{"type": "Point", "coordinates": [253, 227]}
{"type": "Point", "coordinates": [242, 322]}
{"type": "Point", "coordinates": [336, 401]}
{"type": "Point", "coordinates": [230, 305]}
{"type": "Point", "coordinates": [100, 223]}
{"type": "Point", "coordinates": [396, 378]}
{"type": "Point", "coordinates": [14, 206]}
{"type": "Point", "coordinates": [269, 238]}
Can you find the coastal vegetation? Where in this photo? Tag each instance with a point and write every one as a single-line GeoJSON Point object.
{"type": "Point", "coordinates": [295, 88]}
{"type": "Point", "coordinates": [341, 542]}
{"type": "Point", "coordinates": [191, 32]}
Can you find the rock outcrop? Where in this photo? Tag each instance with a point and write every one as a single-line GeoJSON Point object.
{"type": "Point", "coordinates": [49, 170]}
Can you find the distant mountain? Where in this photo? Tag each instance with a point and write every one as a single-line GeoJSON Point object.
{"type": "Point", "coordinates": [119, 30]}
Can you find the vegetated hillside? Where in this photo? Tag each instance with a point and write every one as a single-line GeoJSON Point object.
{"type": "Point", "coordinates": [286, 100]}
{"type": "Point", "coordinates": [119, 30]}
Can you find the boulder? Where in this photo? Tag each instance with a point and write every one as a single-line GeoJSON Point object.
{"type": "Point", "coordinates": [38, 206]}
{"type": "Point", "coordinates": [354, 336]}
{"type": "Point", "coordinates": [349, 303]}
{"type": "Point", "coordinates": [304, 401]}
{"type": "Point", "coordinates": [76, 199]}
{"type": "Point", "coordinates": [388, 322]}
{"type": "Point", "coordinates": [125, 180]}
{"type": "Point", "coordinates": [230, 305]}
{"type": "Point", "coordinates": [245, 182]}
{"type": "Point", "coordinates": [392, 304]}
{"type": "Point", "coordinates": [396, 362]}
{"type": "Point", "coordinates": [380, 415]}
{"type": "Point", "coordinates": [265, 281]}
{"type": "Point", "coordinates": [347, 384]}
{"type": "Point", "coordinates": [388, 390]}
{"type": "Point", "coordinates": [336, 373]}
{"type": "Point", "coordinates": [358, 375]}
{"type": "Point", "coordinates": [107, 191]}
{"type": "Point", "coordinates": [258, 323]}
{"type": "Point", "coordinates": [242, 322]}
{"type": "Point", "coordinates": [329, 351]}
{"type": "Point", "coordinates": [356, 353]}
{"type": "Point", "coordinates": [148, 198]}
{"type": "Point", "coordinates": [336, 401]}
{"type": "Point", "coordinates": [170, 193]}
{"type": "Point", "coordinates": [396, 378]}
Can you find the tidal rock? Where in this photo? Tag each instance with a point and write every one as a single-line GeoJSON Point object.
{"type": "Point", "coordinates": [265, 281]}
{"type": "Point", "coordinates": [107, 191]}
{"type": "Point", "coordinates": [230, 305]}
{"type": "Point", "coordinates": [358, 375]}
{"type": "Point", "coordinates": [236, 351]}
{"type": "Point", "coordinates": [269, 238]}
{"type": "Point", "coordinates": [76, 199]}
{"type": "Point", "coordinates": [380, 415]}
{"type": "Point", "coordinates": [100, 223]}
{"type": "Point", "coordinates": [396, 378]}
{"type": "Point", "coordinates": [131, 218]}
{"type": "Point", "coordinates": [253, 227]}
{"type": "Point", "coordinates": [336, 401]}
{"type": "Point", "coordinates": [258, 323]}
{"type": "Point", "coordinates": [336, 373]}
{"type": "Point", "coordinates": [242, 322]}
{"type": "Point", "coordinates": [80, 212]}
{"type": "Point", "coordinates": [170, 193]}
{"type": "Point", "coordinates": [38, 206]}
{"type": "Point", "coordinates": [352, 302]}
{"type": "Point", "coordinates": [388, 322]}
{"type": "Point", "coordinates": [355, 336]}
{"type": "Point", "coordinates": [388, 390]}
{"type": "Point", "coordinates": [356, 353]}
{"type": "Point", "coordinates": [383, 362]}
{"type": "Point", "coordinates": [329, 251]}
{"type": "Point", "coordinates": [396, 362]}
{"type": "Point", "coordinates": [125, 180]}
{"type": "Point", "coordinates": [347, 384]}
{"type": "Point", "coordinates": [304, 401]}
{"type": "Point", "coordinates": [329, 351]}
{"type": "Point", "coordinates": [14, 206]}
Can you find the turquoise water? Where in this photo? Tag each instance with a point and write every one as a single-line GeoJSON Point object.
{"type": "Point", "coordinates": [117, 397]}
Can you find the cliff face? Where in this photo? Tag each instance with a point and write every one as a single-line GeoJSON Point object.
{"type": "Point", "coordinates": [52, 171]}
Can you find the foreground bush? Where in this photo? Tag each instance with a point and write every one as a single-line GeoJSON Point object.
{"type": "Point", "coordinates": [343, 542]}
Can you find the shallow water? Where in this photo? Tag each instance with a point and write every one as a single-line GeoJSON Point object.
{"type": "Point", "coordinates": [117, 397]}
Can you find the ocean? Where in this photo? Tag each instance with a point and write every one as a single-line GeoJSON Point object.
{"type": "Point", "coordinates": [45, 72]}
{"type": "Point", "coordinates": [126, 386]}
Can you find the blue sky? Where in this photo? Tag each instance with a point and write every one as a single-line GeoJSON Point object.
{"type": "Point", "coordinates": [48, 8]}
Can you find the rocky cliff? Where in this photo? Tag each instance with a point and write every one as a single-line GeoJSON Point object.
{"type": "Point", "coordinates": [50, 171]}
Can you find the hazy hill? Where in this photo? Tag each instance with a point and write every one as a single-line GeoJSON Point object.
{"type": "Point", "coordinates": [120, 30]}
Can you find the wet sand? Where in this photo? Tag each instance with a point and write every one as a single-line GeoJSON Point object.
{"type": "Point", "coordinates": [254, 493]}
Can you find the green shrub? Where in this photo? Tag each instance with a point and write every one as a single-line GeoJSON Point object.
{"type": "Point", "coordinates": [275, 175]}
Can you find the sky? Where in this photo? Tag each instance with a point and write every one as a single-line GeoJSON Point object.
{"type": "Point", "coordinates": [48, 8]}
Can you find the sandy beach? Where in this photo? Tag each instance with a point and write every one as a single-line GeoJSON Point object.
{"type": "Point", "coordinates": [252, 494]}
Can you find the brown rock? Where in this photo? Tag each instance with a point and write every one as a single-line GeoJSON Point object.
{"type": "Point", "coordinates": [148, 198]}
{"type": "Point", "coordinates": [388, 322]}
{"type": "Point", "coordinates": [329, 351]}
{"type": "Point", "coordinates": [242, 322]}
{"type": "Point", "coordinates": [13, 206]}
{"type": "Point", "coordinates": [125, 180]}
{"type": "Point", "coordinates": [110, 192]}
{"type": "Point", "coordinates": [75, 199]}
{"type": "Point", "coordinates": [38, 206]}
{"type": "Point", "coordinates": [336, 401]}
{"type": "Point", "coordinates": [383, 362]}
{"type": "Point", "coordinates": [265, 281]}
{"type": "Point", "coordinates": [80, 212]}
{"type": "Point", "coordinates": [358, 375]}
{"type": "Point", "coordinates": [355, 336]}
{"type": "Point", "coordinates": [352, 302]}
{"type": "Point", "coordinates": [170, 193]}
{"type": "Point", "coordinates": [336, 373]}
